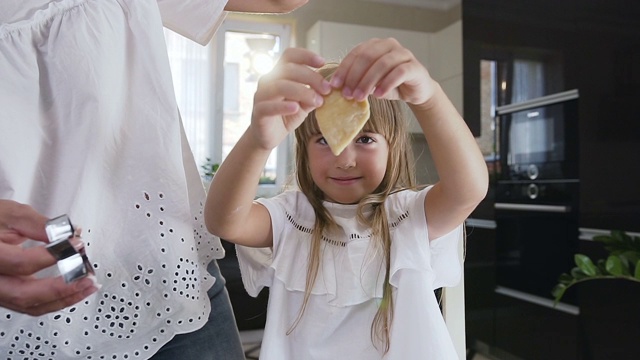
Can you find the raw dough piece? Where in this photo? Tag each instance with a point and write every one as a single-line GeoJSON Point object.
{"type": "Point", "coordinates": [340, 120]}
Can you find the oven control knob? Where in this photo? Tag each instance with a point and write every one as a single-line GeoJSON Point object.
{"type": "Point", "coordinates": [532, 172]}
{"type": "Point", "coordinates": [533, 191]}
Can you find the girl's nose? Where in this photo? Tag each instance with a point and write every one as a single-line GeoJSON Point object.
{"type": "Point", "coordinates": [347, 158]}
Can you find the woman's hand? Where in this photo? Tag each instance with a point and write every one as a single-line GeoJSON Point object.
{"type": "Point", "coordinates": [386, 69]}
{"type": "Point", "coordinates": [19, 289]}
{"type": "Point", "coordinates": [286, 95]}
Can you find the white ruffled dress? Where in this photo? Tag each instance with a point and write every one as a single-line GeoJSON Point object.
{"type": "Point", "coordinates": [89, 126]}
{"type": "Point", "coordinates": [345, 297]}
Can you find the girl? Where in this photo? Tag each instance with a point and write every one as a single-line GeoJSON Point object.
{"type": "Point", "coordinates": [353, 256]}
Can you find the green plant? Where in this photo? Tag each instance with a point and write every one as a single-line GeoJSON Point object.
{"type": "Point", "coordinates": [209, 169]}
{"type": "Point", "coordinates": [622, 262]}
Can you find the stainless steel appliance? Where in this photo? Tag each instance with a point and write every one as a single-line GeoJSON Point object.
{"type": "Point", "coordinates": [536, 207]}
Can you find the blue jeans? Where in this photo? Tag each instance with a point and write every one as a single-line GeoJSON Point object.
{"type": "Point", "coordinates": [217, 339]}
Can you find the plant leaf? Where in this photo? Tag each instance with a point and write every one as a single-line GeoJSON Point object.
{"type": "Point", "coordinates": [565, 278]}
{"type": "Point", "coordinates": [578, 274]}
{"type": "Point", "coordinates": [620, 236]}
{"type": "Point", "coordinates": [637, 272]}
{"type": "Point", "coordinates": [586, 265]}
{"type": "Point", "coordinates": [558, 291]}
{"type": "Point", "coordinates": [632, 256]}
{"type": "Point", "coordinates": [615, 266]}
{"type": "Point", "coordinates": [605, 239]}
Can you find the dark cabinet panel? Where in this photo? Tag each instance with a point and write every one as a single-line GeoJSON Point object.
{"type": "Point", "coordinates": [597, 48]}
{"type": "Point", "coordinates": [610, 319]}
{"type": "Point", "coordinates": [480, 282]}
{"type": "Point", "coordinates": [598, 51]}
{"type": "Point", "coordinates": [532, 332]}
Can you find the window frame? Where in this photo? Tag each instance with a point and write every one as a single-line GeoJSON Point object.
{"type": "Point", "coordinates": [284, 150]}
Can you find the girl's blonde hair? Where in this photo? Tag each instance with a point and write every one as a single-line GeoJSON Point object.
{"type": "Point", "coordinates": [388, 119]}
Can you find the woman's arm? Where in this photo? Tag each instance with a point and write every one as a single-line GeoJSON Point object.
{"type": "Point", "coordinates": [264, 6]}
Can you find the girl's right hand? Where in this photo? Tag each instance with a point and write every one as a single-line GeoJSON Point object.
{"type": "Point", "coordinates": [286, 95]}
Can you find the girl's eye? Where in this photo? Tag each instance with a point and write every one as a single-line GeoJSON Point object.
{"type": "Point", "coordinates": [322, 141]}
{"type": "Point", "coordinates": [365, 140]}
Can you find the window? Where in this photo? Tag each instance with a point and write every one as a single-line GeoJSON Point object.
{"type": "Point", "coordinates": [215, 87]}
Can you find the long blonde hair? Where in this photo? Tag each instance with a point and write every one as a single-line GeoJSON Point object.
{"type": "Point", "coordinates": [388, 119]}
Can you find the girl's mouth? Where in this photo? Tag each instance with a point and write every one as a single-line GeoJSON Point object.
{"type": "Point", "coordinates": [345, 180]}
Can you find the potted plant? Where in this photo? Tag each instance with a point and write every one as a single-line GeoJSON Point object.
{"type": "Point", "coordinates": [622, 262]}
{"type": "Point", "coordinates": [608, 296]}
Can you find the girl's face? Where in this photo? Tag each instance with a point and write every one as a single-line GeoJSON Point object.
{"type": "Point", "coordinates": [353, 174]}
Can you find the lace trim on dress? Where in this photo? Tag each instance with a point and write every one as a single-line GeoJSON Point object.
{"type": "Point", "coordinates": [352, 236]}
{"type": "Point", "coordinates": [351, 271]}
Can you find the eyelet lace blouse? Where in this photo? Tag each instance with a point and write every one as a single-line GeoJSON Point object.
{"type": "Point", "coordinates": [89, 127]}
{"type": "Point", "coordinates": [347, 292]}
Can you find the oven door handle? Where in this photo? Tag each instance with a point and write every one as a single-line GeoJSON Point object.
{"type": "Point", "coordinates": [533, 207]}
{"type": "Point", "coordinates": [534, 299]}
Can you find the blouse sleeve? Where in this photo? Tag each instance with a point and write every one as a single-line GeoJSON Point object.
{"type": "Point", "coordinates": [197, 20]}
{"type": "Point", "coordinates": [256, 263]}
{"type": "Point", "coordinates": [411, 248]}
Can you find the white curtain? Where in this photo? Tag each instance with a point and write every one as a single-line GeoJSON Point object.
{"type": "Point", "coordinates": [191, 68]}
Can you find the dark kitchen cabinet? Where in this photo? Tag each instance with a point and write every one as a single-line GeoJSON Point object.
{"type": "Point", "coordinates": [595, 48]}
{"type": "Point", "coordinates": [533, 332]}
{"type": "Point", "coordinates": [480, 282]}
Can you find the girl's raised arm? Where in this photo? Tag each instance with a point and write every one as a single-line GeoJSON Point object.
{"type": "Point", "coordinates": [283, 99]}
{"type": "Point", "coordinates": [384, 68]}
{"type": "Point", "coordinates": [463, 177]}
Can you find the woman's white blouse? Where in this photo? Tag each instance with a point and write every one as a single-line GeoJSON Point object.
{"type": "Point", "coordinates": [346, 294]}
{"type": "Point", "coordinates": [89, 127]}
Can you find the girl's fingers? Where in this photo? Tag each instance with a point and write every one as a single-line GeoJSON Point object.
{"type": "Point", "coordinates": [393, 67]}
{"type": "Point", "coordinates": [275, 108]}
{"type": "Point", "coordinates": [302, 56]}
{"type": "Point", "coordinates": [298, 65]}
{"type": "Point", "coordinates": [378, 65]}
{"type": "Point", "coordinates": [353, 67]}
{"type": "Point", "coordinates": [289, 89]}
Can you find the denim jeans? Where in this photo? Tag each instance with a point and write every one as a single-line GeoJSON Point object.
{"type": "Point", "coordinates": [217, 339]}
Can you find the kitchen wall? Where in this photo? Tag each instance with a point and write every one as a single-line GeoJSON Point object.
{"type": "Point", "coordinates": [363, 13]}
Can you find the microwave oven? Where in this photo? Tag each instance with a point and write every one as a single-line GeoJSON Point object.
{"type": "Point", "coordinates": [539, 138]}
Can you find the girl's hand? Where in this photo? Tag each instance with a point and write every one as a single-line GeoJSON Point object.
{"type": "Point", "coordinates": [384, 68]}
{"type": "Point", "coordinates": [286, 95]}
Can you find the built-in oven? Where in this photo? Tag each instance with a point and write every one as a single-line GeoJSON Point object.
{"type": "Point", "coordinates": [539, 138]}
{"type": "Point", "coordinates": [536, 209]}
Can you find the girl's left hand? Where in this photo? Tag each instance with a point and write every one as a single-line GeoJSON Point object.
{"type": "Point", "coordinates": [386, 69]}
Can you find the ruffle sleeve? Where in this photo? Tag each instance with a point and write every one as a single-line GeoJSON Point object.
{"type": "Point", "coordinates": [255, 267]}
{"type": "Point", "coordinates": [411, 248]}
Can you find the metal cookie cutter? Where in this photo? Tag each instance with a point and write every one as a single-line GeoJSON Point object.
{"type": "Point", "coordinates": [73, 264]}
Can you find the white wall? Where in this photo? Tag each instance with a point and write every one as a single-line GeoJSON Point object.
{"type": "Point", "coordinates": [334, 40]}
